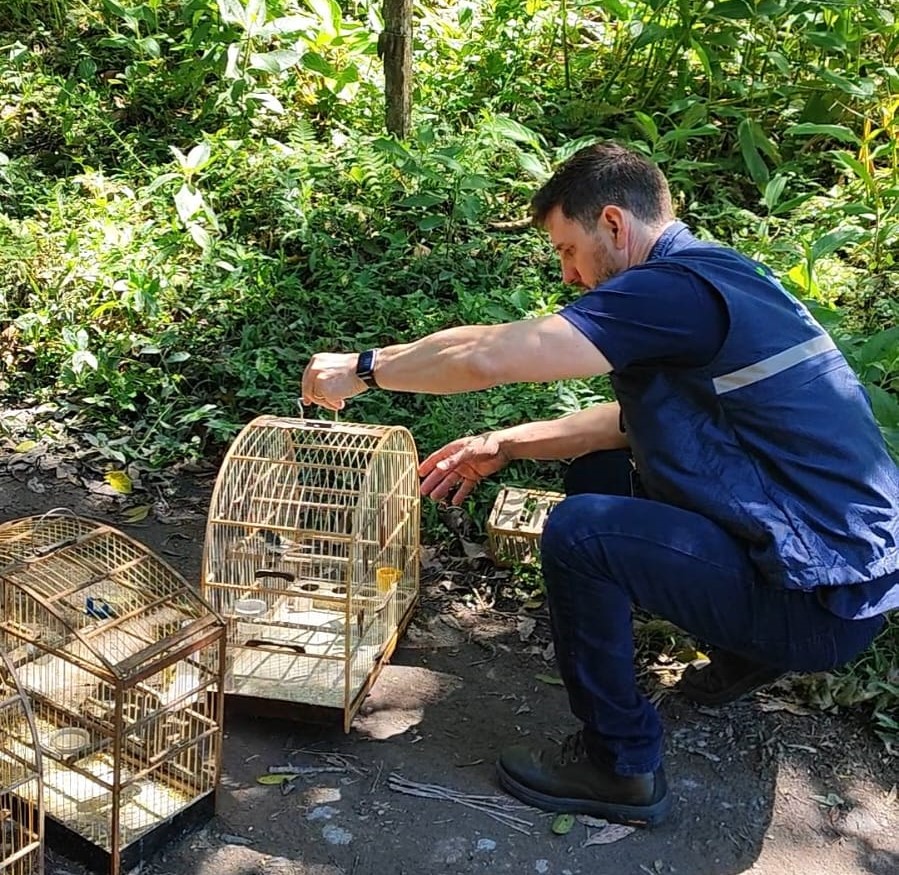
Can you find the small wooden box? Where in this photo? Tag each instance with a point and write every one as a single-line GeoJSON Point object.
{"type": "Point", "coordinates": [516, 523]}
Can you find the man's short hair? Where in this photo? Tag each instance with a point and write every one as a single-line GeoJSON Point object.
{"type": "Point", "coordinates": [603, 174]}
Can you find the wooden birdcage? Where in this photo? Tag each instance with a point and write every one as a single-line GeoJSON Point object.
{"type": "Point", "coordinates": [21, 782]}
{"type": "Point", "coordinates": [312, 555]}
{"type": "Point", "coordinates": [123, 664]}
{"type": "Point", "coordinates": [516, 523]}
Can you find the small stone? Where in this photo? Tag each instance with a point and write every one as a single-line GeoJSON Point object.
{"type": "Point", "coordinates": [336, 835]}
{"type": "Point", "coordinates": [321, 812]}
{"type": "Point", "coordinates": [542, 866]}
{"type": "Point", "coordinates": [486, 845]}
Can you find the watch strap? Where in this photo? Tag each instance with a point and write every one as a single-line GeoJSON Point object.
{"type": "Point", "coordinates": [365, 367]}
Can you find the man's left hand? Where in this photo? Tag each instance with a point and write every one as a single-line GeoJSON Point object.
{"type": "Point", "coordinates": [330, 378]}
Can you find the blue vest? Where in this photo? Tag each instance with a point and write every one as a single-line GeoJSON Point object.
{"type": "Point", "coordinates": [774, 440]}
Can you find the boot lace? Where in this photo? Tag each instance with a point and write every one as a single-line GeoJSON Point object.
{"type": "Point", "coordinates": [573, 749]}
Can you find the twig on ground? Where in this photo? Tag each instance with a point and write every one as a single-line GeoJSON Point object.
{"type": "Point", "coordinates": [496, 807]}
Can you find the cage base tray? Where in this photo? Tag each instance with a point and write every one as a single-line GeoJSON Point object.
{"type": "Point", "coordinates": [77, 848]}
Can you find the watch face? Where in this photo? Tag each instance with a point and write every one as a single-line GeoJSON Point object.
{"type": "Point", "coordinates": [365, 367]}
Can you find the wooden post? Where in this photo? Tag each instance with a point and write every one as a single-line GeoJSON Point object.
{"type": "Point", "coordinates": [395, 48]}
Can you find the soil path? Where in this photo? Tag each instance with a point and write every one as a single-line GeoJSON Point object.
{"type": "Point", "coordinates": [462, 685]}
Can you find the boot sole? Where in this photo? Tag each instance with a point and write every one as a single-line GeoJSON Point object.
{"type": "Point", "coordinates": [633, 815]}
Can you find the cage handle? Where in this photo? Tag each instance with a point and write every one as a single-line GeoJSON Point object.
{"type": "Point", "coordinates": [275, 645]}
{"type": "Point", "coordinates": [47, 549]}
{"type": "Point", "coordinates": [303, 412]}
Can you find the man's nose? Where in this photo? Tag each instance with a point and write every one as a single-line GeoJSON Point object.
{"type": "Point", "coordinates": [570, 275]}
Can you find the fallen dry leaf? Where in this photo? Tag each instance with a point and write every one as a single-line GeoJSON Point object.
{"type": "Point", "coordinates": [526, 626]}
{"type": "Point", "coordinates": [614, 832]}
{"type": "Point", "coordinates": [770, 705]}
{"type": "Point", "coordinates": [119, 481]}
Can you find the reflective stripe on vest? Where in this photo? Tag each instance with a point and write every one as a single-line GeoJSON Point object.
{"type": "Point", "coordinates": [772, 365]}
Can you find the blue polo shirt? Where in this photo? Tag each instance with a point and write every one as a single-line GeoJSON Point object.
{"type": "Point", "coordinates": [661, 317]}
{"type": "Point", "coordinates": [668, 317]}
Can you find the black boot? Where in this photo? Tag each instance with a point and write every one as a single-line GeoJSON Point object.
{"type": "Point", "coordinates": [565, 779]}
{"type": "Point", "coordinates": [726, 678]}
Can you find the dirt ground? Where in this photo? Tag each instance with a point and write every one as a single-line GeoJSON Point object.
{"type": "Point", "coordinates": [758, 789]}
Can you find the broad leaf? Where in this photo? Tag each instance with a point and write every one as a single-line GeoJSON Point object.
{"type": "Point", "coordinates": [755, 164]}
{"type": "Point", "coordinates": [188, 201]}
{"type": "Point", "coordinates": [835, 132]}
{"type": "Point", "coordinates": [275, 62]}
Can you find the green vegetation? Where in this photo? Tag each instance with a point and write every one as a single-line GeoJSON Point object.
{"type": "Point", "coordinates": [196, 195]}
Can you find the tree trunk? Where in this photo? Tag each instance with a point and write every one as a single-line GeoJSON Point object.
{"type": "Point", "coordinates": [395, 47]}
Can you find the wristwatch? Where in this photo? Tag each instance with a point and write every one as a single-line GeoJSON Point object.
{"type": "Point", "coordinates": [365, 367]}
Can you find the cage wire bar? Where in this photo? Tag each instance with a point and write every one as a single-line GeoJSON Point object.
{"type": "Point", "coordinates": [21, 782]}
{"type": "Point", "coordinates": [123, 665]}
{"type": "Point", "coordinates": [312, 557]}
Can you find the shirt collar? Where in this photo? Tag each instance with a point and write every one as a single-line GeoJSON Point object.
{"type": "Point", "coordinates": [675, 237]}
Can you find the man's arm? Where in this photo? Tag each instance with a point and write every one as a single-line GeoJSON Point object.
{"type": "Point", "coordinates": [462, 464]}
{"type": "Point", "coordinates": [596, 428]}
{"type": "Point", "coordinates": [462, 359]}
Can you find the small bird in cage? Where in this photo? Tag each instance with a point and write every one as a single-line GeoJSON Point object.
{"type": "Point", "coordinates": [98, 608]}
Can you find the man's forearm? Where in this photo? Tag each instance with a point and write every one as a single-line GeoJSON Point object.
{"type": "Point", "coordinates": [443, 363]}
{"type": "Point", "coordinates": [597, 428]}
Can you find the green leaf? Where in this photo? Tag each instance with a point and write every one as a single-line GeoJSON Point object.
{"type": "Point", "coordinates": [881, 347]}
{"type": "Point", "coordinates": [884, 405]}
{"type": "Point", "coordinates": [834, 240]}
{"type": "Point", "coordinates": [509, 129]}
{"type": "Point", "coordinates": [835, 132]}
{"type": "Point", "coordinates": [137, 514]}
{"type": "Point", "coordinates": [550, 679]}
{"type": "Point", "coordinates": [860, 88]}
{"type": "Point", "coordinates": [256, 12]}
{"type": "Point", "coordinates": [268, 100]}
{"type": "Point", "coordinates": [421, 200]}
{"type": "Point", "coordinates": [533, 166]}
{"type": "Point", "coordinates": [324, 11]}
{"type": "Point", "coordinates": [855, 167]}
{"type": "Point", "coordinates": [563, 824]}
{"type": "Point", "coordinates": [755, 164]}
{"type": "Point", "coordinates": [25, 446]}
{"type": "Point", "coordinates": [232, 12]}
{"type": "Point", "coordinates": [317, 64]}
{"type": "Point", "coordinates": [429, 223]}
{"type": "Point", "coordinates": [274, 780]}
{"type": "Point", "coordinates": [188, 202]}
{"type": "Point", "coordinates": [681, 134]}
{"type": "Point", "coordinates": [475, 182]}
{"type": "Point", "coordinates": [773, 190]}
{"type": "Point", "coordinates": [736, 10]}
{"type": "Point", "coordinates": [199, 235]}
{"type": "Point", "coordinates": [274, 62]}
{"type": "Point", "coordinates": [647, 125]}
{"type": "Point", "coordinates": [198, 157]}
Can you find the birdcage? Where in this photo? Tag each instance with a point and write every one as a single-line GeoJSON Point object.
{"type": "Point", "coordinates": [122, 662]}
{"type": "Point", "coordinates": [516, 523]}
{"type": "Point", "coordinates": [21, 784]}
{"type": "Point", "coordinates": [312, 556]}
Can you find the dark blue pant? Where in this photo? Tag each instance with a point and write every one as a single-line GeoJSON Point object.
{"type": "Point", "coordinates": [604, 550]}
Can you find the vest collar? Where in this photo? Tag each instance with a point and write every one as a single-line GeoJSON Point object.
{"type": "Point", "coordinates": [675, 237]}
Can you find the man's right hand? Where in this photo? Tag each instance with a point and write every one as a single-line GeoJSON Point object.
{"type": "Point", "coordinates": [461, 465]}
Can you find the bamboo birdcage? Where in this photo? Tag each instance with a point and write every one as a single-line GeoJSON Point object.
{"type": "Point", "coordinates": [21, 781]}
{"type": "Point", "coordinates": [312, 555]}
{"type": "Point", "coordinates": [516, 523]}
{"type": "Point", "coordinates": [123, 664]}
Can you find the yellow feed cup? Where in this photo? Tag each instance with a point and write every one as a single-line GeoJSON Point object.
{"type": "Point", "coordinates": [387, 578]}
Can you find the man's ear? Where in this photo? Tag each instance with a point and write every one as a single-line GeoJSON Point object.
{"type": "Point", "coordinates": [614, 220]}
